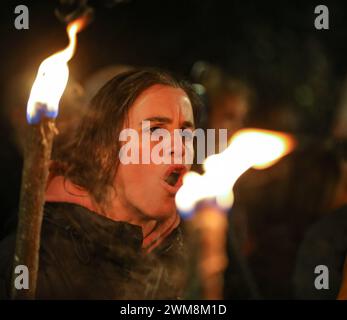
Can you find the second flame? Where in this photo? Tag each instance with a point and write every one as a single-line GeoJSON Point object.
{"type": "Point", "coordinates": [247, 148]}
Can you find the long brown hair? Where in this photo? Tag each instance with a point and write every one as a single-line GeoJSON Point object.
{"type": "Point", "coordinates": [90, 160]}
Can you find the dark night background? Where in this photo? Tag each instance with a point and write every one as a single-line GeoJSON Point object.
{"type": "Point", "coordinates": [271, 45]}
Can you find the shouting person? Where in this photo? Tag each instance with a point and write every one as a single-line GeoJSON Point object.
{"type": "Point", "coordinates": [111, 230]}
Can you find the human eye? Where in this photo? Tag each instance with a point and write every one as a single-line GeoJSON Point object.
{"type": "Point", "coordinates": [154, 129]}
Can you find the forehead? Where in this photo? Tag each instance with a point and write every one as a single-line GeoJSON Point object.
{"type": "Point", "coordinates": [162, 101]}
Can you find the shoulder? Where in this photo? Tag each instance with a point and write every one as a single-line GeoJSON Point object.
{"type": "Point", "coordinates": [325, 244]}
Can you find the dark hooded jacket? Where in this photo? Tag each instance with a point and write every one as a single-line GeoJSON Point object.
{"type": "Point", "coordinates": [84, 255]}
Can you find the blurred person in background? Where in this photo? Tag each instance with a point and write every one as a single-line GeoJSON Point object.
{"type": "Point", "coordinates": [275, 207]}
{"type": "Point", "coordinates": [228, 100]}
{"type": "Point", "coordinates": [325, 243]}
{"type": "Point", "coordinates": [227, 104]}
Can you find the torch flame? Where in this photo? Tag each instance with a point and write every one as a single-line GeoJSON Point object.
{"type": "Point", "coordinates": [51, 78]}
{"type": "Point", "coordinates": [247, 148]}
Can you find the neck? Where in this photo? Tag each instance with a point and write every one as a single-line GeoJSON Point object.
{"type": "Point", "coordinates": [154, 232]}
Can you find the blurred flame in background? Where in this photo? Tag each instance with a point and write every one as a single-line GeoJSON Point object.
{"type": "Point", "coordinates": [52, 77]}
{"type": "Point", "coordinates": [248, 148]}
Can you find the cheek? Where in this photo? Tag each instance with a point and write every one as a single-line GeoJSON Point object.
{"type": "Point", "coordinates": [133, 175]}
{"type": "Point", "coordinates": [138, 182]}
{"type": "Point", "coordinates": [141, 188]}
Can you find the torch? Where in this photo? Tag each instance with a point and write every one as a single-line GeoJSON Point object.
{"type": "Point", "coordinates": [247, 148]}
{"type": "Point", "coordinates": [42, 109]}
{"type": "Point", "coordinates": [209, 195]}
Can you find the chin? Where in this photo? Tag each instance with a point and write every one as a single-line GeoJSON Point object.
{"type": "Point", "coordinates": [164, 212]}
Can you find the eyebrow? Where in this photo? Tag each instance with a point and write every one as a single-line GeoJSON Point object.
{"type": "Point", "coordinates": [185, 124]}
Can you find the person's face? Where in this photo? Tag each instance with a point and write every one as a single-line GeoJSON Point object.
{"type": "Point", "coordinates": [150, 189]}
{"type": "Point", "coordinates": [229, 112]}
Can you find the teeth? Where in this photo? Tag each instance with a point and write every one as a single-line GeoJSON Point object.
{"type": "Point", "coordinates": [172, 178]}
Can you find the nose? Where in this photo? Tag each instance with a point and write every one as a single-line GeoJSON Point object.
{"type": "Point", "coordinates": [181, 151]}
{"type": "Point", "coordinates": [177, 147]}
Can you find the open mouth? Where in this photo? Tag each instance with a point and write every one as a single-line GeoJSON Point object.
{"type": "Point", "coordinates": [173, 177]}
